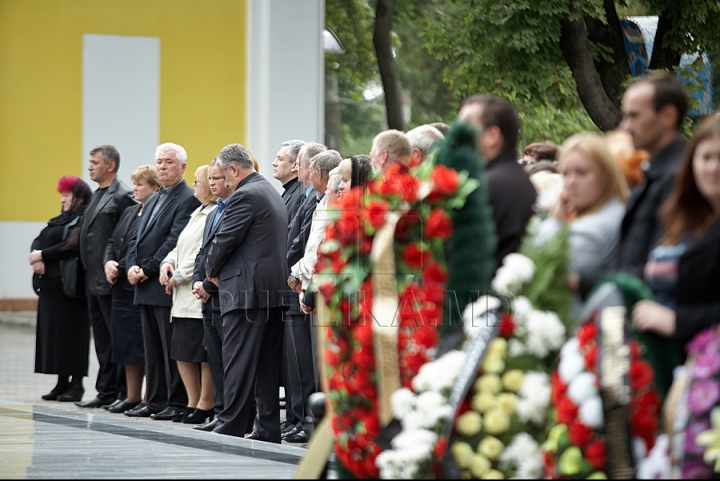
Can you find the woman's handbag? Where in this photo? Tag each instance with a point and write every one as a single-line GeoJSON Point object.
{"type": "Point", "coordinates": [72, 271]}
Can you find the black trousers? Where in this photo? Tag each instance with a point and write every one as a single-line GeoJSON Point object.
{"type": "Point", "coordinates": [110, 383]}
{"type": "Point", "coordinates": [251, 351]}
{"type": "Point", "coordinates": [300, 381]}
{"type": "Point", "coordinates": [164, 385]}
{"type": "Point", "coordinates": [212, 322]}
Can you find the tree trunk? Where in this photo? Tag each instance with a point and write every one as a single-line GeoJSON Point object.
{"type": "Point", "coordinates": [386, 63]}
{"type": "Point", "coordinates": [663, 58]}
{"type": "Point", "coordinates": [614, 71]}
{"type": "Point", "coordinates": [575, 48]}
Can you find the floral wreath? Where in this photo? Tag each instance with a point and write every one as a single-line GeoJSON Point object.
{"type": "Point", "coordinates": [502, 420]}
{"type": "Point", "coordinates": [696, 444]}
{"type": "Point", "coordinates": [420, 195]}
{"type": "Point", "coordinates": [575, 447]}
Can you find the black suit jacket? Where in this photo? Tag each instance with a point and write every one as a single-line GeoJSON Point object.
{"type": "Point", "coordinates": [98, 228]}
{"type": "Point", "coordinates": [248, 251]}
{"type": "Point", "coordinates": [512, 197]}
{"type": "Point", "coordinates": [292, 196]}
{"type": "Point", "coordinates": [153, 240]}
{"type": "Point", "coordinates": [641, 227]}
{"type": "Point", "coordinates": [299, 229]}
{"type": "Point", "coordinates": [117, 245]}
{"type": "Point", "coordinates": [199, 271]}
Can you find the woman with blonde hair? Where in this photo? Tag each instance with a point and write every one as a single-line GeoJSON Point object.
{"type": "Point", "coordinates": [186, 346]}
{"type": "Point", "coordinates": [127, 335]}
{"type": "Point", "coordinates": [592, 202]}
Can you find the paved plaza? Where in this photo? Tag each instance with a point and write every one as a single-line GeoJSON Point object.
{"type": "Point", "coordinates": [47, 439]}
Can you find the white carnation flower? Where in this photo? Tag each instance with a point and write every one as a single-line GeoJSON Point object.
{"type": "Point", "coordinates": [571, 347]}
{"type": "Point", "coordinates": [570, 366]}
{"type": "Point", "coordinates": [522, 308]}
{"type": "Point", "coordinates": [440, 374]}
{"type": "Point", "coordinates": [515, 348]}
{"type": "Point", "coordinates": [515, 271]}
{"type": "Point", "coordinates": [582, 387]}
{"type": "Point", "coordinates": [534, 398]}
{"type": "Point", "coordinates": [531, 466]}
{"type": "Point", "coordinates": [591, 413]}
{"type": "Point", "coordinates": [403, 402]}
{"type": "Point", "coordinates": [545, 333]}
{"type": "Point", "coordinates": [524, 454]}
{"type": "Point", "coordinates": [474, 316]}
{"type": "Point", "coordinates": [414, 439]}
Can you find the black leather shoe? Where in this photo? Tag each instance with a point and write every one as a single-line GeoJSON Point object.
{"type": "Point", "coordinates": [95, 402]}
{"type": "Point", "coordinates": [122, 407]}
{"type": "Point", "coordinates": [207, 427]}
{"type": "Point", "coordinates": [298, 437]}
{"type": "Point", "coordinates": [167, 414]}
{"type": "Point", "coordinates": [116, 403]}
{"type": "Point", "coordinates": [71, 395]}
{"type": "Point", "coordinates": [292, 432]}
{"type": "Point", "coordinates": [286, 426]}
{"type": "Point", "coordinates": [141, 411]}
{"type": "Point", "coordinates": [199, 416]}
{"type": "Point", "coordinates": [254, 436]}
{"type": "Point", "coordinates": [182, 414]}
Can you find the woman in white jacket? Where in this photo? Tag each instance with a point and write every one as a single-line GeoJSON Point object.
{"type": "Point", "coordinates": [186, 346]}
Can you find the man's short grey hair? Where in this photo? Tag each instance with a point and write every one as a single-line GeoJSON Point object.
{"type": "Point", "coordinates": [424, 138]}
{"type": "Point", "coordinates": [324, 162]}
{"type": "Point", "coordinates": [334, 176]}
{"type": "Point", "coordinates": [295, 146]}
{"type": "Point", "coordinates": [235, 154]}
{"type": "Point", "coordinates": [311, 149]}
{"type": "Point", "coordinates": [180, 152]}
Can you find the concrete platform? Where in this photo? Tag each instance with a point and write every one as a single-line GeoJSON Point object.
{"type": "Point", "coordinates": [52, 440]}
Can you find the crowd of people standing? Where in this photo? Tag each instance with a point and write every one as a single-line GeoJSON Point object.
{"type": "Point", "coordinates": [210, 293]}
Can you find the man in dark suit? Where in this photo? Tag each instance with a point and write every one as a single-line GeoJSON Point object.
{"type": "Point", "coordinates": [285, 169]}
{"type": "Point", "coordinates": [653, 113]}
{"type": "Point", "coordinates": [164, 216]}
{"type": "Point", "coordinates": [246, 260]}
{"type": "Point", "coordinates": [106, 207]}
{"type": "Point", "coordinates": [207, 292]}
{"type": "Point", "coordinates": [298, 361]}
{"type": "Point", "coordinates": [510, 192]}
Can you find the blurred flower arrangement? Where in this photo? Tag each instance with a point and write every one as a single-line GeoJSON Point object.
{"type": "Point", "coordinates": [420, 196]}
{"type": "Point", "coordinates": [499, 425]}
{"type": "Point", "coordinates": [696, 444]}
{"type": "Point", "coordinates": [575, 447]}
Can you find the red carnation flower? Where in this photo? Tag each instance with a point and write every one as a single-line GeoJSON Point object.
{"type": "Point", "coordinates": [364, 334]}
{"type": "Point", "coordinates": [591, 357]}
{"type": "Point", "coordinates": [641, 374]}
{"type": "Point", "coordinates": [435, 273]}
{"type": "Point", "coordinates": [327, 289]}
{"type": "Point", "coordinates": [445, 180]}
{"type": "Point", "coordinates": [414, 256]}
{"type": "Point", "coordinates": [579, 434]}
{"type": "Point", "coordinates": [416, 360]}
{"type": "Point", "coordinates": [567, 411]}
{"type": "Point", "coordinates": [586, 333]}
{"type": "Point", "coordinates": [376, 210]}
{"type": "Point", "coordinates": [595, 454]}
{"type": "Point", "coordinates": [426, 337]}
{"type": "Point", "coordinates": [439, 225]}
{"type": "Point", "coordinates": [558, 387]}
{"type": "Point", "coordinates": [507, 326]}
{"type": "Point", "coordinates": [440, 447]}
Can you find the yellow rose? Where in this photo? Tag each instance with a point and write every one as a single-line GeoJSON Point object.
{"type": "Point", "coordinates": [488, 383]}
{"type": "Point", "coordinates": [496, 421]}
{"type": "Point", "coordinates": [506, 402]}
{"type": "Point", "coordinates": [512, 380]}
{"type": "Point", "coordinates": [462, 452]}
{"type": "Point", "coordinates": [465, 474]}
{"type": "Point", "coordinates": [597, 475]}
{"type": "Point", "coordinates": [469, 424]}
{"type": "Point", "coordinates": [491, 447]}
{"type": "Point", "coordinates": [493, 474]}
{"type": "Point", "coordinates": [479, 465]}
{"type": "Point", "coordinates": [484, 401]}
{"type": "Point", "coordinates": [498, 347]}
{"type": "Point", "coordinates": [493, 364]}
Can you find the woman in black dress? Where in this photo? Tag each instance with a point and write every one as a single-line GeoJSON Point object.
{"type": "Point", "coordinates": [127, 335]}
{"type": "Point", "coordinates": [62, 344]}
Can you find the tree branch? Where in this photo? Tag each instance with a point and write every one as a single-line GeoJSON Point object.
{"type": "Point", "coordinates": [575, 49]}
{"type": "Point", "coordinates": [386, 63]}
{"type": "Point", "coordinates": [663, 58]}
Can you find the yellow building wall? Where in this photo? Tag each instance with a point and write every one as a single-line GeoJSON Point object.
{"type": "Point", "coordinates": [202, 86]}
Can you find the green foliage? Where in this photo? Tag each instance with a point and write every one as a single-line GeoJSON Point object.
{"type": "Point", "coordinates": [361, 121]}
{"type": "Point", "coordinates": [547, 291]}
{"type": "Point", "coordinates": [471, 248]}
{"type": "Point", "coordinates": [542, 123]}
